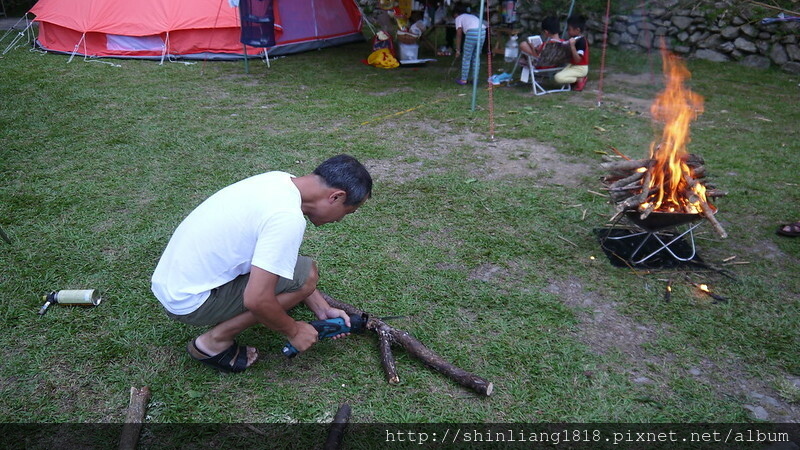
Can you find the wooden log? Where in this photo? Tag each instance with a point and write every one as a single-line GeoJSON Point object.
{"type": "Point", "coordinates": [627, 165]}
{"type": "Point", "coordinates": [434, 361]}
{"type": "Point", "coordinates": [387, 357]}
{"type": "Point", "coordinates": [708, 212]}
{"type": "Point", "coordinates": [338, 426]}
{"type": "Point", "coordinates": [418, 350]}
{"type": "Point", "coordinates": [137, 409]}
{"type": "Point", "coordinates": [627, 180]}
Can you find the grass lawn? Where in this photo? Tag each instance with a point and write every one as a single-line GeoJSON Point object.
{"type": "Point", "coordinates": [485, 245]}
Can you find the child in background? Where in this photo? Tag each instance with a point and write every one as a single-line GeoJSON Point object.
{"type": "Point", "coordinates": [473, 32]}
{"type": "Point", "coordinates": [575, 73]}
{"type": "Point", "coordinates": [550, 32]}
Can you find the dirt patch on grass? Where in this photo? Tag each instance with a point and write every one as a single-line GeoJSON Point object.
{"type": "Point", "coordinates": [607, 331]}
{"type": "Point", "coordinates": [432, 148]}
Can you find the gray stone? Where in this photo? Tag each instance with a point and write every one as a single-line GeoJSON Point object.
{"type": "Point", "coordinates": [758, 412]}
{"type": "Point", "coordinates": [744, 45]}
{"type": "Point", "coordinates": [792, 68]}
{"type": "Point", "coordinates": [645, 40]}
{"type": "Point", "coordinates": [661, 31]}
{"type": "Point", "coordinates": [793, 51]}
{"type": "Point", "coordinates": [683, 36]}
{"type": "Point", "coordinates": [789, 39]}
{"type": "Point", "coordinates": [736, 54]}
{"type": "Point", "coordinates": [778, 55]}
{"type": "Point", "coordinates": [749, 30]}
{"type": "Point", "coordinates": [710, 55]}
{"type": "Point", "coordinates": [633, 29]}
{"type": "Point", "coordinates": [695, 371]}
{"type": "Point", "coordinates": [712, 41]}
{"type": "Point", "coordinates": [738, 21]}
{"type": "Point", "coordinates": [613, 39]}
{"type": "Point", "coordinates": [697, 36]}
{"type": "Point", "coordinates": [730, 33]}
{"type": "Point", "coordinates": [642, 380]}
{"type": "Point", "coordinates": [755, 61]}
{"type": "Point", "coordinates": [626, 38]}
{"type": "Point", "coordinates": [764, 36]}
{"type": "Point", "coordinates": [682, 22]}
{"type": "Point", "coordinates": [763, 47]}
{"type": "Point", "coordinates": [657, 12]}
{"type": "Point", "coordinates": [682, 49]}
{"type": "Point", "coordinates": [727, 47]}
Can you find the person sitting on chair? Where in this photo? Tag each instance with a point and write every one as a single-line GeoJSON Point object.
{"type": "Point", "coordinates": [550, 32]}
{"type": "Point", "coordinates": [575, 73]}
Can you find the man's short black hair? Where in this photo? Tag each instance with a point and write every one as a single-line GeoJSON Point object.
{"type": "Point", "coordinates": [577, 21]}
{"type": "Point", "coordinates": [346, 173]}
{"type": "Point", "coordinates": [551, 25]}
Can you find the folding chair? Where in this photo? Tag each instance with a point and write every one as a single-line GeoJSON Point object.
{"type": "Point", "coordinates": [537, 75]}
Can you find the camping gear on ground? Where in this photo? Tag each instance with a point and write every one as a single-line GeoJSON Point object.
{"type": "Point", "coordinates": [382, 59]}
{"type": "Point", "coordinates": [408, 45]}
{"type": "Point", "coordinates": [85, 297]}
{"type": "Point", "coordinates": [190, 29]}
{"type": "Point", "coordinates": [512, 49]}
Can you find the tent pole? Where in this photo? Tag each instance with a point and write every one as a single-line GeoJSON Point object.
{"type": "Point", "coordinates": [246, 62]}
{"type": "Point", "coordinates": [477, 60]}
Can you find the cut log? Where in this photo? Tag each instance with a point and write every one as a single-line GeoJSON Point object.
{"type": "Point", "coordinates": [626, 181]}
{"type": "Point", "coordinates": [137, 409]}
{"type": "Point", "coordinates": [338, 426]}
{"type": "Point", "coordinates": [627, 165]}
{"type": "Point", "coordinates": [416, 349]}
{"type": "Point", "coordinates": [387, 357]}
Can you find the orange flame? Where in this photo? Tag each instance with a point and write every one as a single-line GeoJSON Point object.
{"type": "Point", "coordinates": [676, 107]}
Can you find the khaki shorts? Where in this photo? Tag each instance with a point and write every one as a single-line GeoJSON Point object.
{"type": "Point", "coordinates": [227, 301]}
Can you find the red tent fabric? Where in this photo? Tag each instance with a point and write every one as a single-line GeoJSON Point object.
{"type": "Point", "coordinates": [187, 28]}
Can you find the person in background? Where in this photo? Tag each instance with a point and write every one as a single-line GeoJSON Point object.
{"type": "Point", "coordinates": [234, 263]}
{"type": "Point", "coordinates": [551, 30]}
{"type": "Point", "coordinates": [472, 32]}
{"type": "Point", "coordinates": [576, 72]}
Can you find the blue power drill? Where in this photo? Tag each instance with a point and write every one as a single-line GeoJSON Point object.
{"type": "Point", "coordinates": [330, 328]}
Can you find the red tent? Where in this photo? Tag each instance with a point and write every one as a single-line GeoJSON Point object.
{"type": "Point", "coordinates": [187, 28]}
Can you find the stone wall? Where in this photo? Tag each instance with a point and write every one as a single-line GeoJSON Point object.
{"type": "Point", "coordinates": [713, 30]}
{"type": "Point", "coordinates": [716, 30]}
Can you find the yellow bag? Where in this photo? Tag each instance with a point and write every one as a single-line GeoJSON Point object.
{"type": "Point", "coordinates": [383, 59]}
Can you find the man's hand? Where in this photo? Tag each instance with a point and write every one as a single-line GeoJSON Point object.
{"type": "Point", "coordinates": [332, 313]}
{"type": "Point", "coordinates": [304, 337]}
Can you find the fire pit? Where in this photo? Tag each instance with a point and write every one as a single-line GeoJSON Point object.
{"type": "Point", "coordinates": [667, 190]}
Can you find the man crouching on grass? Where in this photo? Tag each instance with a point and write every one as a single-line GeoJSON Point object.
{"type": "Point", "coordinates": [233, 262]}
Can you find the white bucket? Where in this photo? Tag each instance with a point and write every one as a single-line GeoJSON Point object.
{"type": "Point", "coordinates": [409, 52]}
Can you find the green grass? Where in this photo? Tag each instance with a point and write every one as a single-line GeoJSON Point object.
{"type": "Point", "coordinates": [100, 164]}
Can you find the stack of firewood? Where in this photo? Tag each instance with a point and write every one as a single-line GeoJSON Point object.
{"type": "Point", "coordinates": [626, 178]}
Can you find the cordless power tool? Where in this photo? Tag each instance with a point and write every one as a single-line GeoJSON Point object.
{"type": "Point", "coordinates": [329, 328]}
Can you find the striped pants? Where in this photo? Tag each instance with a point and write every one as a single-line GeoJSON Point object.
{"type": "Point", "coordinates": [473, 42]}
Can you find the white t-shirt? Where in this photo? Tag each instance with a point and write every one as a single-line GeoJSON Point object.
{"type": "Point", "coordinates": [468, 22]}
{"type": "Point", "coordinates": [256, 221]}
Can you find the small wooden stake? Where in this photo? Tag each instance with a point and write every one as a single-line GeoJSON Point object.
{"type": "Point", "coordinates": [137, 409]}
{"type": "Point", "coordinates": [336, 433]}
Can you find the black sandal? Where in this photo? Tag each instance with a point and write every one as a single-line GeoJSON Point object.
{"type": "Point", "coordinates": [221, 361]}
{"type": "Point", "coordinates": [789, 229]}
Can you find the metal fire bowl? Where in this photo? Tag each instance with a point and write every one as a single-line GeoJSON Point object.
{"type": "Point", "coordinates": [659, 220]}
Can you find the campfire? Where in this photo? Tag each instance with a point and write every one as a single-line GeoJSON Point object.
{"type": "Point", "coordinates": [668, 187]}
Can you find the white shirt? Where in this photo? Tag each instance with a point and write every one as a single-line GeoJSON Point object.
{"type": "Point", "coordinates": [256, 221]}
{"type": "Point", "coordinates": [468, 22]}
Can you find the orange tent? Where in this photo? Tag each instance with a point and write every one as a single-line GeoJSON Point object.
{"type": "Point", "coordinates": [187, 28]}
